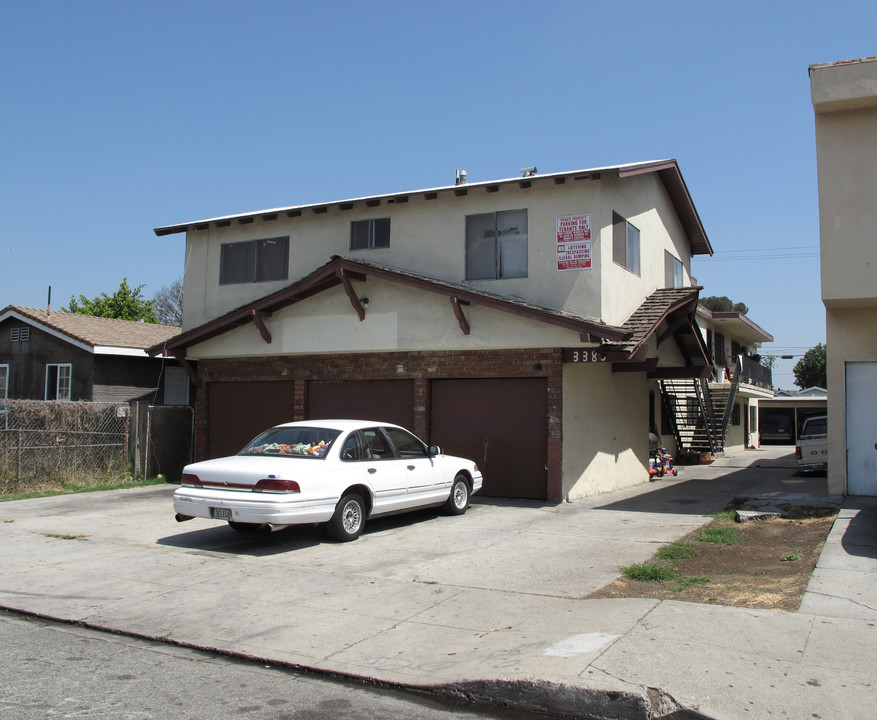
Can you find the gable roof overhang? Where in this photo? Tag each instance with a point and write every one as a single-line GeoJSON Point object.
{"type": "Point", "coordinates": [667, 313]}
{"type": "Point", "coordinates": [95, 335]}
{"type": "Point", "coordinates": [667, 170]}
{"type": "Point", "coordinates": [342, 271]}
{"type": "Point", "coordinates": [737, 325]}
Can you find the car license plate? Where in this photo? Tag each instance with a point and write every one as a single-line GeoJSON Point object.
{"type": "Point", "coordinates": [221, 513]}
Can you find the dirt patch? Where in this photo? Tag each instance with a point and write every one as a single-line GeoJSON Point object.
{"type": "Point", "coordinates": [769, 567]}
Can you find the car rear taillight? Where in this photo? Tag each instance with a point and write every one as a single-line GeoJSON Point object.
{"type": "Point", "coordinates": [273, 485]}
{"type": "Point", "coordinates": [191, 480]}
{"type": "Point", "coordinates": [798, 452]}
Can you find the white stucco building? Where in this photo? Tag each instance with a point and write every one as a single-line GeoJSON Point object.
{"type": "Point", "coordinates": [522, 322]}
{"type": "Point", "coordinates": [844, 96]}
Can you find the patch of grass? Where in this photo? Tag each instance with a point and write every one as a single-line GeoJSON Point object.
{"type": "Point", "coordinates": [649, 572]}
{"type": "Point", "coordinates": [65, 537]}
{"type": "Point", "coordinates": [84, 485]}
{"type": "Point", "coordinates": [724, 516]}
{"type": "Point", "coordinates": [676, 551]}
{"type": "Point", "coordinates": [686, 581]}
{"type": "Point", "coordinates": [720, 535]}
{"type": "Point", "coordinates": [792, 556]}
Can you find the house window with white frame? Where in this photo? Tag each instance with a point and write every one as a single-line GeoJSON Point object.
{"type": "Point", "coordinates": [4, 382]}
{"type": "Point", "coordinates": [254, 261]}
{"type": "Point", "coordinates": [673, 275]}
{"type": "Point", "coordinates": [625, 243]}
{"type": "Point", "coordinates": [59, 381]}
{"type": "Point", "coordinates": [496, 245]}
{"type": "Point", "coordinates": [370, 234]}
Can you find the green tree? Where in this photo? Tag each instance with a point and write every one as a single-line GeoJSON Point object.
{"type": "Point", "coordinates": [168, 303]}
{"type": "Point", "coordinates": [723, 304]}
{"type": "Point", "coordinates": [124, 304]}
{"type": "Point", "coordinates": [810, 370]}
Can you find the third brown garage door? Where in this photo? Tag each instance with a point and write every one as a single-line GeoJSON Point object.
{"type": "Point", "coordinates": [502, 424]}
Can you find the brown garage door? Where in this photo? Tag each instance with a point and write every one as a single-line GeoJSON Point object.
{"type": "Point", "coordinates": [502, 424]}
{"type": "Point", "coordinates": [385, 400]}
{"type": "Point", "coordinates": [238, 411]}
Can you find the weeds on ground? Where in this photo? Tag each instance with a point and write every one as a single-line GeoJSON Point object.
{"type": "Point", "coordinates": [720, 535]}
{"type": "Point", "coordinates": [69, 486]}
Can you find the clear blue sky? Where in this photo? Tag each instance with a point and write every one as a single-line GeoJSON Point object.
{"type": "Point", "coordinates": [119, 117]}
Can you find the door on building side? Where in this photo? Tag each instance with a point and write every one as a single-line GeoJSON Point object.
{"type": "Point", "coordinates": [500, 423]}
{"type": "Point", "coordinates": [861, 426]}
{"type": "Point", "coordinates": [238, 411]}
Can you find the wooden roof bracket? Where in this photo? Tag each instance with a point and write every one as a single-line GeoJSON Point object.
{"type": "Point", "coordinates": [344, 276]}
{"type": "Point", "coordinates": [180, 355]}
{"type": "Point", "coordinates": [259, 321]}
{"type": "Point", "coordinates": [457, 304]}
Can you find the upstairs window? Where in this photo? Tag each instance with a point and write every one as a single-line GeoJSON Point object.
{"type": "Point", "coordinates": [673, 275]}
{"type": "Point", "coordinates": [4, 382]}
{"type": "Point", "coordinates": [58, 381]}
{"type": "Point", "coordinates": [496, 245]}
{"type": "Point", "coordinates": [254, 261]}
{"type": "Point", "coordinates": [625, 244]}
{"type": "Point", "coordinates": [370, 234]}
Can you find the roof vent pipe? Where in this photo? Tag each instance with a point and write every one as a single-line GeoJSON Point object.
{"type": "Point", "coordinates": [461, 177]}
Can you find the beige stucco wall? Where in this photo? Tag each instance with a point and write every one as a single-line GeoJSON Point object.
{"type": "Point", "coordinates": [599, 455]}
{"type": "Point", "coordinates": [398, 318]}
{"type": "Point", "coordinates": [851, 336]}
{"type": "Point", "coordinates": [844, 99]}
{"type": "Point", "coordinates": [428, 237]}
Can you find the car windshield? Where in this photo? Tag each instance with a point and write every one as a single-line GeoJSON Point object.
{"type": "Point", "coordinates": [301, 442]}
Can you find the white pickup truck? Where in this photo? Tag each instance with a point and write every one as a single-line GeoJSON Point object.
{"type": "Point", "coordinates": [811, 450]}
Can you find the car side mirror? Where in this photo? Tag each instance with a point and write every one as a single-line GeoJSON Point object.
{"type": "Point", "coordinates": [434, 450]}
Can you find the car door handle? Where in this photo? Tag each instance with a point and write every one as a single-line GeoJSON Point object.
{"type": "Point", "coordinates": [372, 470]}
{"type": "Point", "coordinates": [411, 467]}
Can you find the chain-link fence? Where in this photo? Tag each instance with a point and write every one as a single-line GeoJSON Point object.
{"type": "Point", "coordinates": [49, 443]}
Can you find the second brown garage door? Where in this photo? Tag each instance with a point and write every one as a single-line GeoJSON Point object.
{"type": "Point", "coordinates": [385, 400]}
{"type": "Point", "coordinates": [502, 424]}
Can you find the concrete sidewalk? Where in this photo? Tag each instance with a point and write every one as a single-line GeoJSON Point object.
{"type": "Point", "coordinates": [489, 605]}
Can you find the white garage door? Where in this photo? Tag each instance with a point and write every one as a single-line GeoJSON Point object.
{"type": "Point", "coordinates": [861, 420]}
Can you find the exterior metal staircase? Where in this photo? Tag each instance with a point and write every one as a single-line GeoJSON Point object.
{"type": "Point", "coordinates": [699, 414]}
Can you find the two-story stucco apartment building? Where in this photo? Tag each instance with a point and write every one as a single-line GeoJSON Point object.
{"type": "Point", "coordinates": [844, 96]}
{"type": "Point", "coordinates": [522, 322]}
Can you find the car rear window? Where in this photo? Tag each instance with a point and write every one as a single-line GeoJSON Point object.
{"type": "Point", "coordinates": [301, 442]}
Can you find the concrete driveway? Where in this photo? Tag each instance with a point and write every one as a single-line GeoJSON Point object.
{"type": "Point", "coordinates": [489, 605]}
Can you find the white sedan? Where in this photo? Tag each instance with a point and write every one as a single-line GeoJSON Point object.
{"type": "Point", "coordinates": [338, 472]}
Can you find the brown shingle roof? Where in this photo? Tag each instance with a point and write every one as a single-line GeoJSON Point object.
{"type": "Point", "coordinates": [650, 314]}
{"type": "Point", "coordinates": [95, 331]}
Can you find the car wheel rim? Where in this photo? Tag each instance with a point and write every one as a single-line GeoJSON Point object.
{"type": "Point", "coordinates": [351, 517]}
{"type": "Point", "coordinates": [460, 495]}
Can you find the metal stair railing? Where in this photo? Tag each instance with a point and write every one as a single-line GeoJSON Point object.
{"type": "Point", "coordinates": [732, 397]}
{"type": "Point", "coordinates": [705, 400]}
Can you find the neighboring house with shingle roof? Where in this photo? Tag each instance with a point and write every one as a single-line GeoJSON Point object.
{"type": "Point", "coordinates": [524, 322]}
{"type": "Point", "coordinates": [54, 355]}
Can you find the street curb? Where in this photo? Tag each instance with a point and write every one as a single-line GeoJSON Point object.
{"type": "Point", "coordinates": [543, 696]}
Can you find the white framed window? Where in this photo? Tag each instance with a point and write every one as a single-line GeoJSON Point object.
{"type": "Point", "coordinates": [496, 245]}
{"type": "Point", "coordinates": [625, 243]}
{"type": "Point", "coordinates": [370, 234]}
{"type": "Point", "coordinates": [673, 275]}
{"type": "Point", "coordinates": [4, 382]}
{"type": "Point", "coordinates": [254, 261]}
{"type": "Point", "coordinates": [59, 378]}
